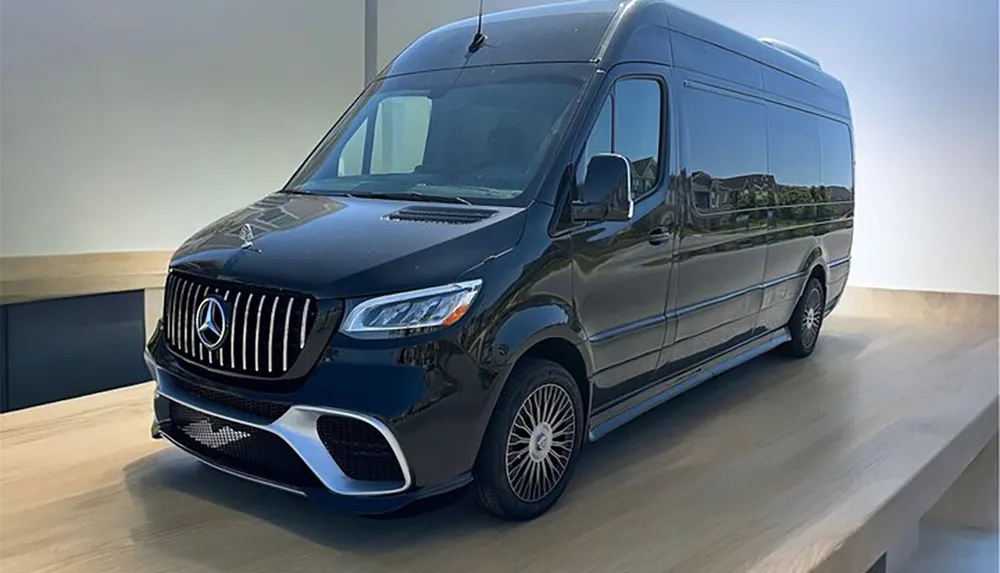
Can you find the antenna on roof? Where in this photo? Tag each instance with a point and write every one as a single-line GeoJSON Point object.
{"type": "Point", "coordinates": [479, 40]}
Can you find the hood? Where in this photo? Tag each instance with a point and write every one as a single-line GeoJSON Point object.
{"type": "Point", "coordinates": [339, 247]}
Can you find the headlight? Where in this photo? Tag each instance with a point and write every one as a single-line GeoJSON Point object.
{"type": "Point", "coordinates": [420, 309]}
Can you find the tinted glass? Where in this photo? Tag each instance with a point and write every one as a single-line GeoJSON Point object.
{"type": "Point", "coordinates": [637, 110]}
{"type": "Point", "coordinates": [638, 115]}
{"type": "Point", "coordinates": [478, 134]}
{"type": "Point", "coordinates": [793, 147]}
{"type": "Point", "coordinates": [837, 160]}
{"type": "Point", "coordinates": [599, 140]}
{"type": "Point", "coordinates": [727, 146]}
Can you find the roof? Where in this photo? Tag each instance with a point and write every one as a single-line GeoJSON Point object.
{"type": "Point", "coordinates": [561, 32]}
{"type": "Point", "coordinates": [606, 32]}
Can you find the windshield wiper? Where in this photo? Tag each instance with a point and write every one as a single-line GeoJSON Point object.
{"type": "Point", "coordinates": [414, 196]}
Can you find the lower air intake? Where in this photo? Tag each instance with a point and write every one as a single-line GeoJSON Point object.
{"type": "Point", "coordinates": [360, 450]}
{"type": "Point", "coordinates": [239, 447]}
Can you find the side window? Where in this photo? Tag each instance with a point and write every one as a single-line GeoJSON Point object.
{"type": "Point", "coordinates": [794, 154]}
{"type": "Point", "coordinates": [837, 169]}
{"type": "Point", "coordinates": [638, 117]}
{"type": "Point", "coordinates": [727, 145]}
{"type": "Point", "coordinates": [629, 124]}
{"type": "Point", "coordinates": [400, 134]}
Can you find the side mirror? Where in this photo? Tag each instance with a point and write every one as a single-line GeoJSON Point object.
{"type": "Point", "coordinates": [606, 194]}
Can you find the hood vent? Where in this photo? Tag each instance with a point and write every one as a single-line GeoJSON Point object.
{"type": "Point", "coordinates": [445, 215]}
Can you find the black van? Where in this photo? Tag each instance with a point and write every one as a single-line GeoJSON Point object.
{"type": "Point", "coordinates": [512, 243]}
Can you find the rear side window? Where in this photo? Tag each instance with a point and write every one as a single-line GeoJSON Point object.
{"type": "Point", "coordinates": [837, 160]}
{"type": "Point", "coordinates": [727, 148]}
{"type": "Point", "coordinates": [794, 154]}
{"type": "Point", "coordinates": [630, 124]}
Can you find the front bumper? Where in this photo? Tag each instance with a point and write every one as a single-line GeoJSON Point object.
{"type": "Point", "coordinates": [231, 439]}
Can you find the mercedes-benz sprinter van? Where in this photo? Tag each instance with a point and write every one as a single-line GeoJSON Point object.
{"type": "Point", "coordinates": [520, 237]}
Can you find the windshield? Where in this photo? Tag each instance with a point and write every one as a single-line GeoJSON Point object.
{"type": "Point", "coordinates": [476, 135]}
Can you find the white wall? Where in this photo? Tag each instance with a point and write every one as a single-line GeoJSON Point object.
{"type": "Point", "coordinates": [129, 124]}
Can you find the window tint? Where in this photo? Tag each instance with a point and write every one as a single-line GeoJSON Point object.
{"type": "Point", "coordinates": [728, 152]}
{"type": "Point", "coordinates": [837, 163]}
{"type": "Point", "coordinates": [480, 134]}
{"type": "Point", "coordinates": [794, 155]}
{"type": "Point", "coordinates": [637, 110]}
{"type": "Point", "coordinates": [599, 140]}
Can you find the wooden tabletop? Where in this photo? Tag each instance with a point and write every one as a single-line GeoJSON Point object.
{"type": "Point", "coordinates": [31, 278]}
{"type": "Point", "coordinates": [780, 465]}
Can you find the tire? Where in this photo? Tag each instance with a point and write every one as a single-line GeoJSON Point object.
{"type": "Point", "coordinates": [542, 453]}
{"type": "Point", "coordinates": [807, 320]}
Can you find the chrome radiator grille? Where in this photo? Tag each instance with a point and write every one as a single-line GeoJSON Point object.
{"type": "Point", "coordinates": [265, 331]}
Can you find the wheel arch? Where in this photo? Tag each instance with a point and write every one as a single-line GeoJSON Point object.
{"type": "Point", "coordinates": [547, 331]}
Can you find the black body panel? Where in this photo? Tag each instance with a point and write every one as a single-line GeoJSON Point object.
{"type": "Point", "coordinates": [743, 184]}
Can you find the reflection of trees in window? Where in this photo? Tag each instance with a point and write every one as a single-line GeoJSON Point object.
{"type": "Point", "coordinates": [837, 160]}
{"type": "Point", "coordinates": [630, 124]}
{"type": "Point", "coordinates": [727, 148]}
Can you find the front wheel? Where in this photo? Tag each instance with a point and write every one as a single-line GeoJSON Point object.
{"type": "Point", "coordinates": [531, 445]}
{"type": "Point", "coordinates": [807, 319]}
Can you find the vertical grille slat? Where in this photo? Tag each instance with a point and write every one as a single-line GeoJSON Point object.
{"type": "Point", "coordinates": [263, 325]}
{"type": "Point", "coordinates": [174, 315]}
{"type": "Point", "coordinates": [199, 294]}
{"type": "Point", "coordinates": [188, 331]}
{"type": "Point", "coordinates": [288, 320]}
{"type": "Point", "coordinates": [232, 336]}
{"type": "Point", "coordinates": [270, 335]}
{"type": "Point", "coordinates": [246, 321]}
{"type": "Point", "coordinates": [256, 340]}
{"type": "Point", "coordinates": [302, 334]}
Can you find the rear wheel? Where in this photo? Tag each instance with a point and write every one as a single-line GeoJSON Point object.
{"type": "Point", "coordinates": [531, 445]}
{"type": "Point", "coordinates": [806, 321]}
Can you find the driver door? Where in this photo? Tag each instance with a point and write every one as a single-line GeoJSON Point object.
{"type": "Point", "coordinates": [621, 269]}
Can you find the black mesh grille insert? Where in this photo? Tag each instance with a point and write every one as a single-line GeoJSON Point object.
{"type": "Point", "coordinates": [269, 411]}
{"type": "Point", "coordinates": [359, 449]}
{"type": "Point", "coordinates": [239, 447]}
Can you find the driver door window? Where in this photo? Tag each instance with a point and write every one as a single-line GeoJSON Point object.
{"type": "Point", "coordinates": [629, 124]}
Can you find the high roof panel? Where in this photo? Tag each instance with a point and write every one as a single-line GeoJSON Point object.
{"type": "Point", "coordinates": [563, 32]}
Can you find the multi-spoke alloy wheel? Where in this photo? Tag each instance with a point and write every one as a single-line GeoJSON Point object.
{"type": "Point", "coordinates": [540, 443]}
{"type": "Point", "coordinates": [812, 317]}
{"type": "Point", "coordinates": [529, 450]}
{"type": "Point", "coordinates": [807, 319]}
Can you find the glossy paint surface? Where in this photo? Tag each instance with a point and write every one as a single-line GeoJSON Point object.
{"type": "Point", "coordinates": [744, 191]}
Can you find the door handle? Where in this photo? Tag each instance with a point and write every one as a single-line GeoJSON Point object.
{"type": "Point", "coordinates": [659, 236]}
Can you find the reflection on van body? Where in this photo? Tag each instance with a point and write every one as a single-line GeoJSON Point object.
{"type": "Point", "coordinates": [502, 250]}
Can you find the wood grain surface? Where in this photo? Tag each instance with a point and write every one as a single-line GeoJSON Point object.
{"type": "Point", "coordinates": [25, 279]}
{"type": "Point", "coordinates": [780, 465]}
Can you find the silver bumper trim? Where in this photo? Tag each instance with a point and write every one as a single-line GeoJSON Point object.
{"type": "Point", "coordinates": [297, 427]}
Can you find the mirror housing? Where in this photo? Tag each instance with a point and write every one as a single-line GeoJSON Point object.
{"type": "Point", "coordinates": [606, 194]}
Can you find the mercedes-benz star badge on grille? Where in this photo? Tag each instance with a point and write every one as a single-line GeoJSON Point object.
{"type": "Point", "coordinates": [213, 321]}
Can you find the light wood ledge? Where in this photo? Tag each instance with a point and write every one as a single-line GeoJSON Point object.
{"type": "Point", "coordinates": [915, 306]}
{"type": "Point", "coordinates": [26, 279]}
{"type": "Point", "coordinates": [783, 466]}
